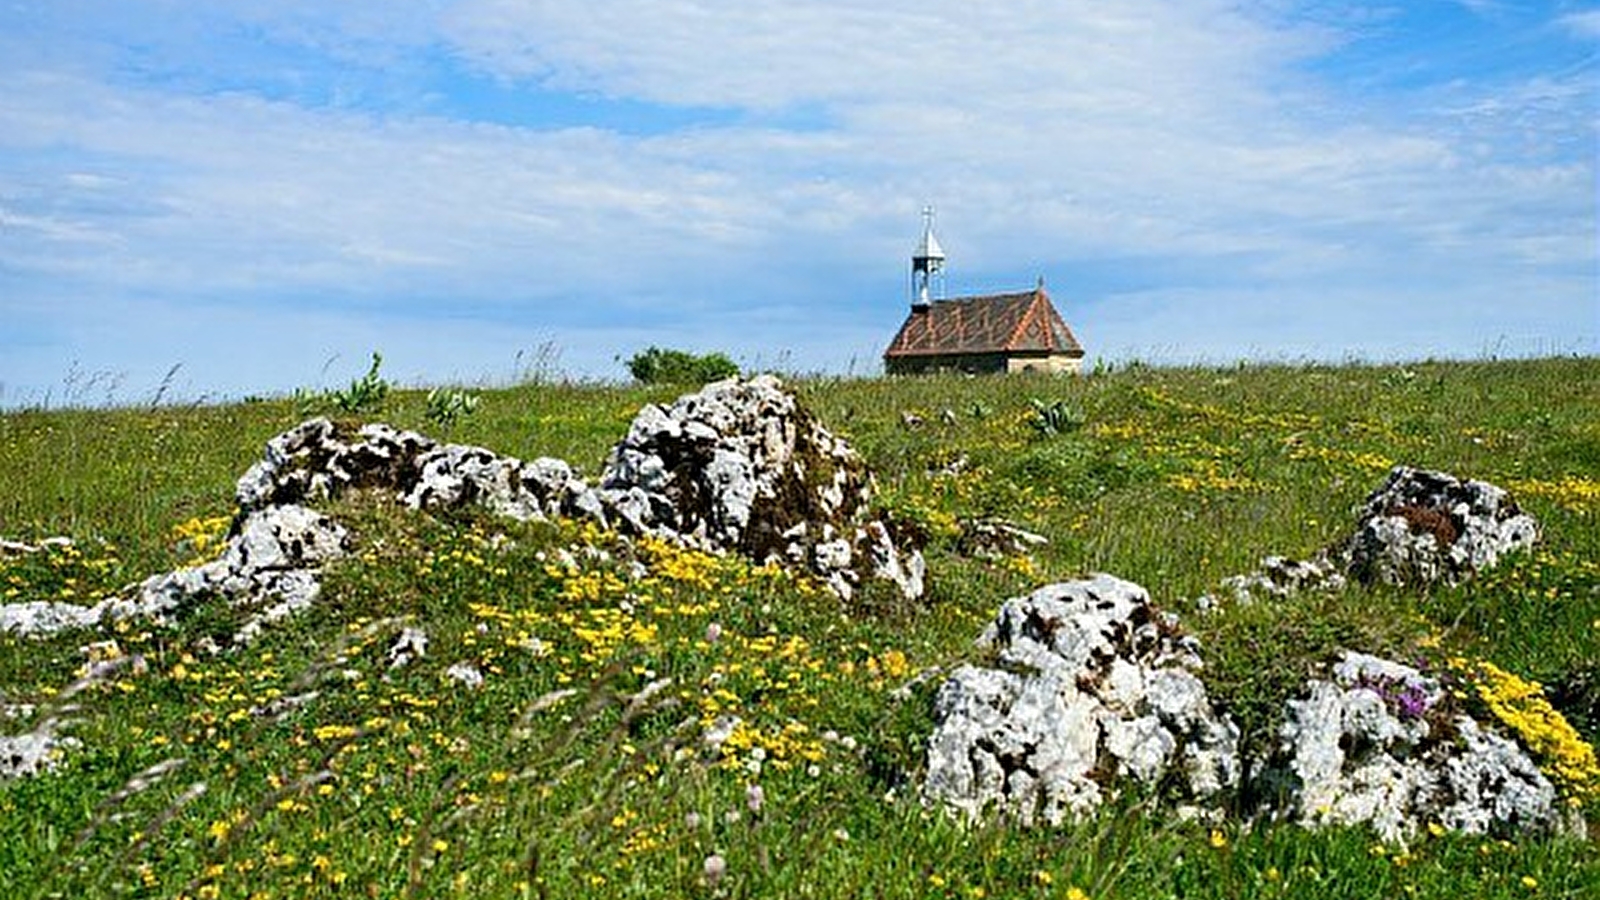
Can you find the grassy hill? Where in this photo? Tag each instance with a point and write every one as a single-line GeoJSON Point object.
{"type": "Point", "coordinates": [305, 765]}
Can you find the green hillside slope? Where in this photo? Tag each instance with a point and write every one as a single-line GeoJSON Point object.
{"type": "Point", "coordinates": [306, 765]}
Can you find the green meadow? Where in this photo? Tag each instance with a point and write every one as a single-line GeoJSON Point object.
{"type": "Point", "coordinates": [306, 765]}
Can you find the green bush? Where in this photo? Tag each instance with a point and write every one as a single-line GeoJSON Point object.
{"type": "Point", "coordinates": [658, 366]}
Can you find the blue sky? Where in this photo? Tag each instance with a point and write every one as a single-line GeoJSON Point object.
{"type": "Point", "coordinates": [261, 194]}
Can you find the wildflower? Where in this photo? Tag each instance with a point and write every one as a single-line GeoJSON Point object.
{"type": "Point", "coordinates": [1218, 839]}
{"type": "Point", "coordinates": [1076, 893]}
{"type": "Point", "coordinates": [754, 796]}
{"type": "Point", "coordinates": [1043, 877]}
{"type": "Point", "coordinates": [715, 867]}
{"type": "Point", "coordinates": [1521, 706]}
{"type": "Point", "coordinates": [894, 664]}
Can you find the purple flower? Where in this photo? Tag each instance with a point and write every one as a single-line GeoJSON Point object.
{"type": "Point", "coordinates": [1411, 702]}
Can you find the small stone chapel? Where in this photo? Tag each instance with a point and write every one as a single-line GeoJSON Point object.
{"type": "Point", "coordinates": [999, 333]}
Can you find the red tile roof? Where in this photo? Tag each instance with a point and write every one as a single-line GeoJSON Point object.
{"type": "Point", "coordinates": [1000, 323]}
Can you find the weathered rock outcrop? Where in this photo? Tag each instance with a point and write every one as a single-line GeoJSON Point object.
{"type": "Point", "coordinates": [1424, 527]}
{"type": "Point", "coordinates": [740, 466]}
{"type": "Point", "coordinates": [313, 461]}
{"type": "Point", "coordinates": [1091, 684]}
{"type": "Point", "coordinates": [994, 538]}
{"type": "Point", "coordinates": [32, 753]}
{"type": "Point", "coordinates": [1418, 528]}
{"type": "Point", "coordinates": [737, 467]}
{"type": "Point", "coordinates": [1374, 746]}
{"type": "Point", "coordinates": [1278, 578]}
{"type": "Point", "coordinates": [269, 565]}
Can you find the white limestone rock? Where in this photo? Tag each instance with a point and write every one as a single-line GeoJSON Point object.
{"type": "Point", "coordinates": [269, 563]}
{"type": "Point", "coordinates": [33, 753]}
{"type": "Point", "coordinates": [38, 618]}
{"type": "Point", "coordinates": [1425, 527]}
{"type": "Point", "coordinates": [739, 466]}
{"type": "Point", "coordinates": [1091, 684]}
{"type": "Point", "coordinates": [464, 674]}
{"type": "Point", "coordinates": [314, 461]}
{"type": "Point", "coordinates": [1368, 748]}
{"type": "Point", "coordinates": [410, 645]}
{"type": "Point", "coordinates": [994, 538]}
{"type": "Point", "coordinates": [1279, 578]}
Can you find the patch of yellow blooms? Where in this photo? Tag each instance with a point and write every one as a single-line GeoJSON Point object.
{"type": "Point", "coordinates": [1521, 706]}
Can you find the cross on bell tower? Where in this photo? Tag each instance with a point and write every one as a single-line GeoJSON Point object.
{"type": "Point", "coordinates": [927, 266]}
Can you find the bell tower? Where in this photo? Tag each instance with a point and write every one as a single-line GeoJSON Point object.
{"type": "Point", "coordinates": [927, 266]}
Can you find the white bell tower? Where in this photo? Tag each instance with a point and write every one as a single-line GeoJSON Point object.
{"type": "Point", "coordinates": [927, 266]}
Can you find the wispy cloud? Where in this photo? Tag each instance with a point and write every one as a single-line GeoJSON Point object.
{"type": "Point", "coordinates": [1585, 23]}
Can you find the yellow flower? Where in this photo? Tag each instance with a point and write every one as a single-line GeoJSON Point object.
{"type": "Point", "coordinates": [894, 664]}
{"type": "Point", "coordinates": [1521, 706]}
{"type": "Point", "coordinates": [1218, 839]}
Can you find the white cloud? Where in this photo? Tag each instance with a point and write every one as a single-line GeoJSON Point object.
{"type": "Point", "coordinates": [766, 54]}
{"type": "Point", "coordinates": [1187, 136]}
{"type": "Point", "coordinates": [1585, 23]}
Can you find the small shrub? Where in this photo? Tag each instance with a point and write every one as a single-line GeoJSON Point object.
{"type": "Point", "coordinates": [1052, 419]}
{"type": "Point", "coordinates": [364, 394]}
{"type": "Point", "coordinates": [445, 407]}
{"type": "Point", "coordinates": [658, 366]}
